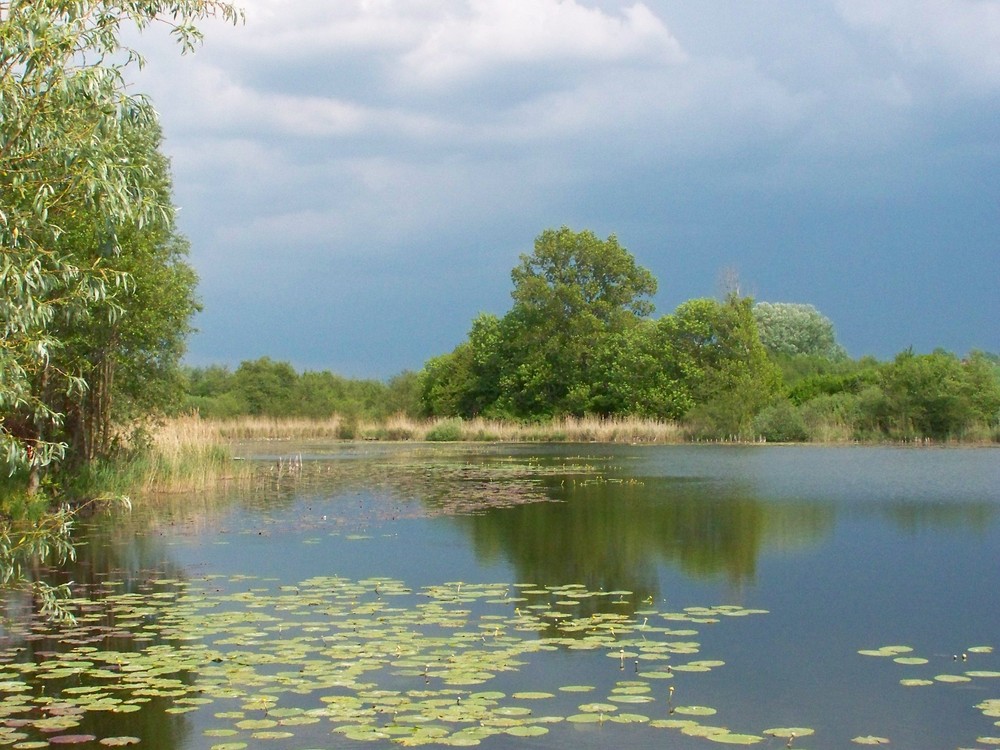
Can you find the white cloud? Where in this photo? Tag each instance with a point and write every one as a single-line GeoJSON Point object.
{"type": "Point", "coordinates": [479, 35]}
{"type": "Point", "coordinates": [963, 35]}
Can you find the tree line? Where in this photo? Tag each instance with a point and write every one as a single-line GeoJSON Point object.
{"type": "Point", "coordinates": [580, 339]}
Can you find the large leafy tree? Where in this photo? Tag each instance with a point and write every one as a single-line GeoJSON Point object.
{"type": "Point", "coordinates": [574, 296]}
{"type": "Point", "coordinates": [69, 167]}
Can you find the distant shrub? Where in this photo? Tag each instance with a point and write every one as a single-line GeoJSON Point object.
{"type": "Point", "coordinates": [347, 428]}
{"type": "Point", "coordinates": [781, 423]}
{"type": "Point", "coordinates": [449, 431]}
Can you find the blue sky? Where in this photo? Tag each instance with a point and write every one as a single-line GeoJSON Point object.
{"type": "Point", "coordinates": [358, 177]}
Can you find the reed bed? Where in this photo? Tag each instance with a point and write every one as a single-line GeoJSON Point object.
{"type": "Point", "coordinates": [193, 432]}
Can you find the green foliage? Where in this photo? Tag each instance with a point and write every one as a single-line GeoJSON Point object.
{"type": "Point", "coordinates": [937, 395]}
{"type": "Point", "coordinates": [781, 423]}
{"type": "Point", "coordinates": [448, 431]}
{"type": "Point", "coordinates": [268, 388]}
{"type": "Point", "coordinates": [73, 169]}
{"type": "Point", "coordinates": [573, 293]}
{"type": "Point", "coordinates": [715, 350]}
{"type": "Point", "coordinates": [796, 329]}
{"type": "Point", "coordinates": [579, 302]}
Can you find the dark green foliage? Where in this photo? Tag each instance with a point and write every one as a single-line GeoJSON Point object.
{"type": "Point", "coordinates": [575, 342]}
{"type": "Point", "coordinates": [937, 395]}
{"type": "Point", "coordinates": [714, 349]}
{"type": "Point", "coordinates": [268, 388]}
{"type": "Point", "coordinates": [781, 423]}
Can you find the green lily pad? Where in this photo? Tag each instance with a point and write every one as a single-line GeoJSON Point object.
{"type": "Point", "coordinates": [627, 718]}
{"type": "Point", "coordinates": [531, 730]}
{"type": "Point", "coordinates": [695, 710]}
{"type": "Point", "coordinates": [871, 740]}
{"type": "Point", "coordinates": [732, 738]}
{"type": "Point", "coordinates": [786, 732]}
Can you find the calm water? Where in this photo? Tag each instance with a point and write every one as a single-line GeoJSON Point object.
{"type": "Point", "coordinates": [846, 549]}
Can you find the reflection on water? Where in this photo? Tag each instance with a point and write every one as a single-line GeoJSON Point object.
{"type": "Point", "coordinates": [611, 535]}
{"type": "Point", "coordinates": [847, 549]}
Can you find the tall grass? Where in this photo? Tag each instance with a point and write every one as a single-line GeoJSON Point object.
{"type": "Point", "coordinates": [186, 454]}
{"type": "Point", "coordinates": [192, 431]}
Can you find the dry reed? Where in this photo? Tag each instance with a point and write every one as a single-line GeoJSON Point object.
{"type": "Point", "coordinates": [195, 432]}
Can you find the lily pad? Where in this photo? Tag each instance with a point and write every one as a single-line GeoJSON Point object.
{"type": "Point", "coordinates": [695, 710]}
{"type": "Point", "coordinates": [786, 732]}
{"type": "Point", "coordinates": [732, 738]}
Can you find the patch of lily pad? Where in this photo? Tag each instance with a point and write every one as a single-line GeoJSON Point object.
{"type": "Point", "coordinates": [365, 660]}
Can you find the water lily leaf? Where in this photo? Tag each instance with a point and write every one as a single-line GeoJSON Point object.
{"type": "Point", "coordinates": [695, 710]}
{"type": "Point", "coordinates": [731, 738]}
{"type": "Point", "coordinates": [672, 723]}
{"type": "Point", "coordinates": [256, 723]}
{"type": "Point", "coordinates": [910, 660]}
{"type": "Point", "coordinates": [871, 740]}
{"type": "Point", "coordinates": [980, 649]}
{"type": "Point", "coordinates": [120, 741]}
{"type": "Point", "coordinates": [982, 673]}
{"type": "Point", "coordinates": [529, 695]}
{"type": "Point", "coordinates": [913, 682]}
{"type": "Point", "coordinates": [272, 735]}
{"type": "Point", "coordinates": [786, 732]}
{"type": "Point", "coordinates": [71, 739]}
{"type": "Point", "coordinates": [952, 678]}
{"type": "Point", "coordinates": [702, 730]}
{"type": "Point", "coordinates": [626, 718]}
{"type": "Point", "coordinates": [631, 698]}
{"type": "Point", "coordinates": [530, 730]}
{"type": "Point", "coordinates": [586, 718]}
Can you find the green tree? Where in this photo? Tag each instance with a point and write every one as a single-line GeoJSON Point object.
{"type": "Point", "coordinates": [937, 395]}
{"type": "Point", "coordinates": [265, 387]}
{"type": "Point", "coordinates": [66, 116]}
{"type": "Point", "coordinates": [572, 293]}
{"type": "Point", "coordinates": [714, 349]}
{"type": "Point", "coordinates": [128, 347]}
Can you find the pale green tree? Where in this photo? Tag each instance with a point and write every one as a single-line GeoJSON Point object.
{"type": "Point", "coordinates": [792, 329]}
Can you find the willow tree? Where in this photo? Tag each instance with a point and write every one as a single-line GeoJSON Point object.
{"type": "Point", "coordinates": [67, 121]}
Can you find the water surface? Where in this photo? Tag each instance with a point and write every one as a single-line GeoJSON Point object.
{"type": "Point", "coordinates": [812, 553]}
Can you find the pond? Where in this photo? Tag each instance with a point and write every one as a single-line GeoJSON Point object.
{"type": "Point", "coordinates": [533, 596]}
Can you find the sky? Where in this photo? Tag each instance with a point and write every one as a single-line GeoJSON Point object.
{"type": "Point", "coordinates": [357, 178]}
